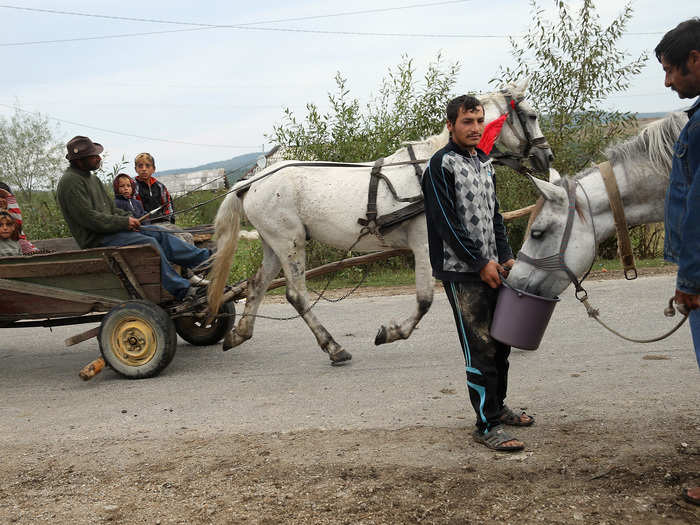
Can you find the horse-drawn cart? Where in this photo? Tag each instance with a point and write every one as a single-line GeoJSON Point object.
{"type": "Point", "coordinates": [118, 287]}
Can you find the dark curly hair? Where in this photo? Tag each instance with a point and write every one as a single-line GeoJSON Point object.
{"type": "Point", "coordinates": [465, 102]}
{"type": "Point", "coordinates": [676, 45]}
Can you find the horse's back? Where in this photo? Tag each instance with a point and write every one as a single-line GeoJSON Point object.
{"type": "Point", "coordinates": [326, 202]}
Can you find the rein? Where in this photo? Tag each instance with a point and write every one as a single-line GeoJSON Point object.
{"type": "Point", "coordinates": [509, 159]}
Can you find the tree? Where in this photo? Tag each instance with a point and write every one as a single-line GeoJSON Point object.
{"type": "Point", "coordinates": [30, 156]}
{"type": "Point", "coordinates": [403, 109]}
{"type": "Point", "coordinates": [574, 64]}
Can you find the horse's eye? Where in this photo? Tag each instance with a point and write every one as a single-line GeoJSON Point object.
{"type": "Point", "coordinates": [532, 117]}
{"type": "Point", "coordinates": [536, 234]}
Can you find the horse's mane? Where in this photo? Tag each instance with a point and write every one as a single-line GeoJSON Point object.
{"type": "Point", "coordinates": [438, 141]}
{"type": "Point", "coordinates": [655, 142]}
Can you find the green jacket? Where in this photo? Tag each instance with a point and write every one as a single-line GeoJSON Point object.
{"type": "Point", "coordinates": [87, 209]}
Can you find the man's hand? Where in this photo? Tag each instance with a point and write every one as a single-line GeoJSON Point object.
{"type": "Point", "coordinates": [134, 224]}
{"type": "Point", "coordinates": [692, 301]}
{"type": "Point", "coordinates": [507, 266]}
{"type": "Point", "coordinates": [490, 274]}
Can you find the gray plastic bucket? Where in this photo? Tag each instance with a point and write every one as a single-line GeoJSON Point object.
{"type": "Point", "coordinates": [521, 318]}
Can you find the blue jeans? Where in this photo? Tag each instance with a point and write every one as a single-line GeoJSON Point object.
{"type": "Point", "coordinates": [170, 248]}
{"type": "Point", "coordinates": [694, 320]}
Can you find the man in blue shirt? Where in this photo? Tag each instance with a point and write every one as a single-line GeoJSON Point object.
{"type": "Point", "coordinates": [679, 54]}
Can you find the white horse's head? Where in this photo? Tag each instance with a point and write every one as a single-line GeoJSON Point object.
{"type": "Point", "coordinates": [521, 133]}
{"type": "Point", "coordinates": [644, 162]}
{"type": "Point", "coordinates": [546, 232]}
{"type": "Point", "coordinates": [520, 138]}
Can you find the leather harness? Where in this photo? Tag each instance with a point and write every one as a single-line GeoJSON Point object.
{"type": "Point", "coordinates": [380, 225]}
{"type": "Point", "coordinates": [624, 244]}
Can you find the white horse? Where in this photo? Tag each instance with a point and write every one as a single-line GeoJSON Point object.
{"type": "Point", "coordinates": [323, 202]}
{"type": "Point", "coordinates": [641, 167]}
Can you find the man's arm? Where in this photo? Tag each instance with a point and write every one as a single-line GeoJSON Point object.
{"type": "Point", "coordinates": [688, 280]}
{"type": "Point", "coordinates": [79, 205]}
{"type": "Point", "coordinates": [441, 211]}
{"type": "Point", "coordinates": [505, 253]}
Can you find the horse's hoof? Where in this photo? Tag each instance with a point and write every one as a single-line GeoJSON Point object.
{"type": "Point", "coordinates": [226, 346]}
{"type": "Point", "coordinates": [340, 357]}
{"type": "Point", "coordinates": [381, 336]}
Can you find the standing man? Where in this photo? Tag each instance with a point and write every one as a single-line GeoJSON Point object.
{"type": "Point", "coordinates": [679, 54]}
{"type": "Point", "coordinates": [469, 252]}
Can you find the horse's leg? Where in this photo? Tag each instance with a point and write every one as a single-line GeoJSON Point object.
{"type": "Point", "coordinates": [293, 266]}
{"type": "Point", "coordinates": [255, 293]}
{"type": "Point", "coordinates": [424, 298]}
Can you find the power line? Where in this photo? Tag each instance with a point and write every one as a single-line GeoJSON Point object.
{"type": "Point", "coordinates": [234, 26]}
{"type": "Point", "coordinates": [228, 146]}
{"type": "Point", "coordinates": [278, 30]}
{"type": "Point", "coordinates": [99, 37]}
{"type": "Point", "coordinates": [251, 26]}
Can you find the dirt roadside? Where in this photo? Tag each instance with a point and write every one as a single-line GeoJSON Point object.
{"type": "Point", "coordinates": [580, 472]}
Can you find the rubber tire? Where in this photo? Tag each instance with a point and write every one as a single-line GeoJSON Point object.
{"type": "Point", "coordinates": [162, 327]}
{"type": "Point", "coordinates": [210, 335]}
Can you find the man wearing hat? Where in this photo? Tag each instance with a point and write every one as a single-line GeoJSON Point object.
{"type": "Point", "coordinates": [94, 220]}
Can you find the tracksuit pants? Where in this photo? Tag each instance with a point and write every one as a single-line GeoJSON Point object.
{"type": "Point", "coordinates": [486, 359]}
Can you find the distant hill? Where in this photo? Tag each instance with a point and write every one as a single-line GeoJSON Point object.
{"type": "Point", "coordinates": [232, 167]}
{"type": "Point", "coordinates": [658, 114]}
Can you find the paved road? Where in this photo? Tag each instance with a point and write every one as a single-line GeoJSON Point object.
{"type": "Point", "coordinates": [281, 381]}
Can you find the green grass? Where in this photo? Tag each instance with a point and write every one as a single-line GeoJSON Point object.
{"type": "Point", "coordinates": [397, 271]}
{"type": "Point", "coordinates": [614, 264]}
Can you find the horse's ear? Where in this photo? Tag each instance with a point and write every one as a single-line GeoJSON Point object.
{"type": "Point", "coordinates": [550, 192]}
{"type": "Point", "coordinates": [520, 88]}
{"type": "Point", "coordinates": [554, 176]}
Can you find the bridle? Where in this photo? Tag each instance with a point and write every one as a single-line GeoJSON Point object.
{"type": "Point", "coordinates": [515, 160]}
{"type": "Point", "coordinates": [557, 261]}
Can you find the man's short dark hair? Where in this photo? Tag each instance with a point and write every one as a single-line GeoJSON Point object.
{"type": "Point", "coordinates": [465, 102]}
{"type": "Point", "coordinates": [676, 45]}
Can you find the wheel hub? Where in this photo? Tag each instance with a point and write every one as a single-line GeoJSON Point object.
{"type": "Point", "coordinates": [134, 342]}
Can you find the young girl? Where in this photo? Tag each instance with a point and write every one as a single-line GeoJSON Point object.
{"type": "Point", "coordinates": [9, 235]}
{"type": "Point", "coordinates": [8, 202]}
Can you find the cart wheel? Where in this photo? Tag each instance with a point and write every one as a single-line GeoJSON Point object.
{"type": "Point", "coordinates": [195, 330]}
{"type": "Point", "coordinates": [137, 339]}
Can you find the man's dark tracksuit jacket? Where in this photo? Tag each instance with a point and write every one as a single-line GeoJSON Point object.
{"type": "Point", "coordinates": [465, 232]}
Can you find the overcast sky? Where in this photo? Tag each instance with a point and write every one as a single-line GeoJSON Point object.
{"type": "Point", "coordinates": [213, 93]}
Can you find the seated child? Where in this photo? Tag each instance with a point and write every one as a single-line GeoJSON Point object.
{"type": "Point", "coordinates": [9, 236]}
{"type": "Point", "coordinates": [8, 202]}
{"type": "Point", "coordinates": [124, 188]}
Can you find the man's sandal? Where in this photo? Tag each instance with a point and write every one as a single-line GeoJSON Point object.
{"type": "Point", "coordinates": [510, 417]}
{"type": "Point", "coordinates": [690, 499]}
{"type": "Point", "coordinates": [495, 439]}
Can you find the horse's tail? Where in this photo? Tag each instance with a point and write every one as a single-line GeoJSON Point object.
{"type": "Point", "coordinates": [227, 226]}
